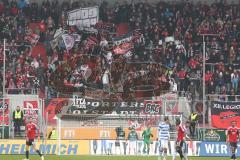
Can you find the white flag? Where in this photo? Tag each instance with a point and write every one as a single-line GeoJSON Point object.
{"type": "Point", "coordinates": [57, 38]}
{"type": "Point", "coordinates": [58, 33]}
{"type": "Point", "coordinates": [169, 39]}
{"type": "Point", "coordinates": [68, 41]}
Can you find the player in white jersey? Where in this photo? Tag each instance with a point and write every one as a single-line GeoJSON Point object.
{"type": "Point", "coordinates": [163, 137]}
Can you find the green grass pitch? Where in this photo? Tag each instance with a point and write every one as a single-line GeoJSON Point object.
{"type": "Point", "coordinates": [20, 157]}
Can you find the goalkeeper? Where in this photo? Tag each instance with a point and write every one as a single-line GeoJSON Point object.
{"type": "Point", "coordinates": [147, 134]}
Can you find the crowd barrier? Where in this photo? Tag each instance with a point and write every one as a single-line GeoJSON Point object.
{"type": "Point", "coordinates": [67, 147]}
{"type": "Point", "coordinates": [106, 147]}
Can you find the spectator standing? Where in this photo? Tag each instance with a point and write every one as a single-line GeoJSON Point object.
{"type": "Point", "coordinates": [234, 80]}
{"type": "Point", "coordinates": [17, 120]}
{"type": "Point", "coordinates": [232, 96]}
{"type": "Point", "coordinates": [193, 123]}
{"type": "Point", "coordinates": [132, 139]}
{"type": "Point", "coordinates": [182, 75]}
{"type": "Point", "coordinates": [227, 79]}
{"type": "Point", "coordinates": [104, 142]}
{"type": "Point", "coordinates": [95, 146]}
{"type": "Point", "coordinates": [211, 88]}
{"type": "Point", "coordinates": [120, 140]}
{"type": "Point", "coordinates": [192, 90]}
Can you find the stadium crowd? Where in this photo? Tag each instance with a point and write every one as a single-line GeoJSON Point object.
{"type": "Point", "coordinates": [181, 58]}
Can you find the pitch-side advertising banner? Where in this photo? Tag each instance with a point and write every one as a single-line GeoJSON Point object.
{"type": "Point", "coordinates": [4, 108]}
{"type": "Point", "coordinates": [212, 135]}
{"type": "Point", "coordinates": [122, 147]}
{"type": "Point", "coordinates": [67, 147]}
{"type": "Point", "coordinates": [223, 113]}
{"type": "Point", "coordinates": [31, 109]}
{"type": "Point", "coordinates": [216, 149]}
{"type": "Point", "coordinates": [98, 133]}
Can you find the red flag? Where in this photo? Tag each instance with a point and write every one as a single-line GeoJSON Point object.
{"type": "Point", "coordinates": [91, 42]}
{"type": "Point", "coordinates": [123, 48]}
{"type": "Point", "coordinates": [32, 38]}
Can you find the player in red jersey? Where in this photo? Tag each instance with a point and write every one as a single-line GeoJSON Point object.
{"type": "Point", "coordinates": [232, 134]}
{"type": "Point", "coordinates": [180, 138]}
{"type": "Point", "coordinates": [31, 130]}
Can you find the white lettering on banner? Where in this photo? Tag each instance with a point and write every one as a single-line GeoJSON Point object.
{"type": "Point", "coordinates": [30, 109]}
{"type": "Point", "coordinates": [133, 104]}
{"type": "Point", "coordinates": [98, 147]}
{"type": "Point", "coordinates": [124, 104]}
{"type": "Point", "coordinates": [69, 133]}
{"type": "Point", "coordinates": [78, 105]}
{"type": "Point", "coordinates": [222, 106]}
{"type": "Point", "coordinates": [128, 112]}
{"type": "Point", "coordinates": [231, 107]}
{"type": "Point", "coordinates": [152, 108]}
{"type": "Point", "coordinates": [82, 103]}
{"type": "Point", "coordinates": [76, 112]}
{"type": "Point", "coordinates": [95, 104]}
{"type": "Point", "coordinates": [215, 148]}
{"type": "Point", "coordinates": [84, 17]}
{"type": "Point", "coordinates": [5, 105]}
{"type": "Point", "coordinates": [105, 104]}
{"type": "Point", "coordinates": [216, 106]}
{"type": "Point", "coordinates": [104, 134]}
{"type": "Point", "coordinates": [92, 12]}
{"type": "Point", "coordinates": [224, 149]}
{"type": "Point", "coordinates": [79, 102]}
{"type": "Point", "coordinates": [29, 105]}
{"type": "Point", "coordinates": [209, 148]}
{"type": "Point", "coordinates": [84, 14]}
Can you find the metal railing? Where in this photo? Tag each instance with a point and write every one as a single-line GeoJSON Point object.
{"type": "Point", "coordinates": [33, 91]}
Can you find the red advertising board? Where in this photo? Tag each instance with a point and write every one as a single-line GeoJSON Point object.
{"type": "Point", "coordinates": [6, 112]}
{"type": "Point", "coordinates": [171, 104]}
{"type": "Point", "coordinates": [30, 109]}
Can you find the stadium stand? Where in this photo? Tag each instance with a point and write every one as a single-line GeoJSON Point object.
{"type": "Point", "coordinates": [185, 21]}
{"type": "Point", "coordinates": [142, 60]}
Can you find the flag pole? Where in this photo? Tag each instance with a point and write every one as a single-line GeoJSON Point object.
{"type": "Point", "coordinates": [4, 89]}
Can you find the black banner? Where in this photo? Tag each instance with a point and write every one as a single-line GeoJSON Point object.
{"type": "Point", "coordinates": [223, 113]}
{"type": "Point", "coordinates": [74, 106]}
{"type": "Point", "coordinates": [93, 106]}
